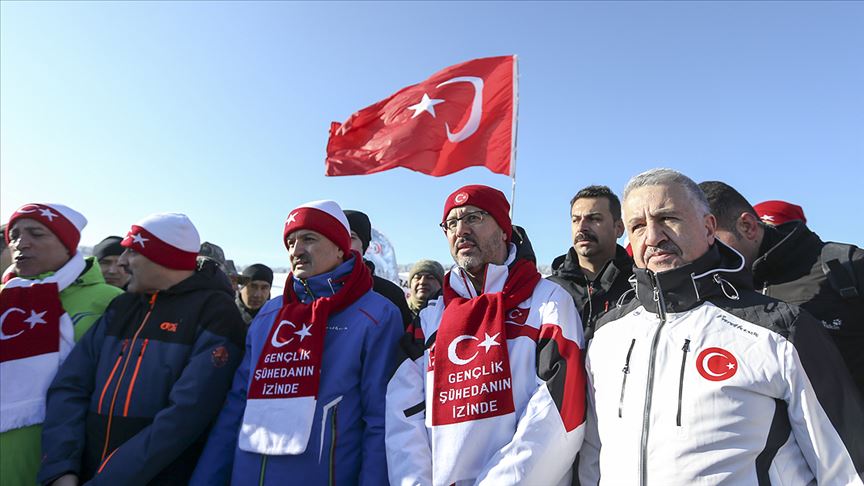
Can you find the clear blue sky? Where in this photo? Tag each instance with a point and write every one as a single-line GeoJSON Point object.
{"type": "Point", "coordinates": [221, 110]}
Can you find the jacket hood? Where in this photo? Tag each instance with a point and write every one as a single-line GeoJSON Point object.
{"type": "Point", "coordinates": [719, 272]}
{"type": "Point", "coordinates": [92, 274]}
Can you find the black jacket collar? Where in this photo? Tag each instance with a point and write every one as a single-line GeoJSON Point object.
{"type": "Point", "coordinates": [719, 272]}
{"type": "Point", "coordinates": [787, 250]}
{"type": "Point", "coordinates": [567, 267]}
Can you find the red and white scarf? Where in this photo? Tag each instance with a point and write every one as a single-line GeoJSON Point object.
{"type": "Point", "coordinates": [470, 363]}
{"type": "Point", "coordinates": [36, 334]}
{"type": "Point", "coordinates": [283, 387]}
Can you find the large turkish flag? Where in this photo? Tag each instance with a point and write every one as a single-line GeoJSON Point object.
{"type": "Point", "coordinates": [460, 117]}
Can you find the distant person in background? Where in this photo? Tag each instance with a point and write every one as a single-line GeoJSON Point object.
{"type": "Point", "coordinates": [255, 283]}
{"type": "Point", "coordinates": [424, 283]}
{"type": "Point", "coordinates": [361, 236]}
{"type": "Point", "coordinates": [39, 325]}
{"type": "Point", "coordinates": [5, 253]}
{"type": "Point", "coordinates": [779, 212]}
{"type": "Point", "coordinates": [108, 252]}
{"type": "Point", "coordinates": [211, 251]}
{"type": "Point", "coordinates": [596, 269]}
{"type": "Point", "coordinates": [791, 263]}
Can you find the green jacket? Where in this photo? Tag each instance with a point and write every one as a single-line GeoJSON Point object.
{"type": "Point", "coordinates": [84, 301]}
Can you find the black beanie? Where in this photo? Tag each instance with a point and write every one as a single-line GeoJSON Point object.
{"type": "Point", "coordinates": [259, 271]}
{"type": "Point", "coordinates": [108, 247]}
{"type": "Point", "coordinates": [360, 224]}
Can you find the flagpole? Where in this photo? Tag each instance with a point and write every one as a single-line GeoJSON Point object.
{"type": "Point", "coordinates": [513, 142]}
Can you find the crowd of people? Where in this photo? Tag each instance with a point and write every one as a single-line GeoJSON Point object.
{"type": "Point", "coordinates": [722, 346]}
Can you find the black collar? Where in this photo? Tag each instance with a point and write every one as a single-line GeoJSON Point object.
{"type": "Point", "coordinates": [719, 272]}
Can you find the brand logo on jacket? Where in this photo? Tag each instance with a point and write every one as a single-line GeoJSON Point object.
{"type": "Point", "coordinates": [219, 356]}
{"type": "Point", "coordinates": [833, 324]}
{"type": "Point", "coordinates": [168, 326]}
{"type": "Point", "coordinates": [517, 316]}
{"type": "Point", "coordinates": [716, 364]}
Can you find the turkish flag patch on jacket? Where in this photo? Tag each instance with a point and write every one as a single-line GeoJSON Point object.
{"type": "Point", "coordinates": [460, 117]}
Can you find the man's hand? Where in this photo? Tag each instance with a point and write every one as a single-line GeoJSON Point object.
{"type": "Point", "coordinates": [66, 480]}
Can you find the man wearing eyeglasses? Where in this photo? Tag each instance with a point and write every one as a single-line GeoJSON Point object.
{"type": "Point", "coordinates": [491, 386]}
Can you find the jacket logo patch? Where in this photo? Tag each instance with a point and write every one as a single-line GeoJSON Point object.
{"type": "Point", "coordinates": [168, 326]}
{"type": "Point", "coordinates": [219, 356]}
{"type": "Point", "coordinates": [716, 364]}
{"type": "Point", "coordinates": [833, 325]}
{"type": "Point", "coordinates": [517, 316]}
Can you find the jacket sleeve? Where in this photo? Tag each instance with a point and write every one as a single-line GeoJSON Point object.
{"type": "Point", "coordinates": [825, 409]}
{"type": "Point", "coordinates": [68, 400]}
{"type": "Point", "coordinates": [409, 451]}
{"type": "Point", "coordinates": [589, 453]}
{"type": "Point", "coordinates": [193, 402]}
{"type": "Point", "coordinates": [550, 430]}
{"type": "Point", "coordinates": [378, 356]}
{"type": "Point", "coordinates": [217, 460]}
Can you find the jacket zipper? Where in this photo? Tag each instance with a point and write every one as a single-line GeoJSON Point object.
{"type": "Point", "coordinates": [646, 414]}
{"type": "Point", "coordinates": [333, 447]}
{"type": "Point", "coordinates": [263, 467]}
{"type": "Point", "coordinates": [684, 351]}
{"type": "Point", "coordinates": [123, 372]}
{"type": "Point", "coordinates": [111, 376]}
{"type": "Point", "coordinates": [625, 371]}
{"type": "Point", "coordinates": [134, 377]}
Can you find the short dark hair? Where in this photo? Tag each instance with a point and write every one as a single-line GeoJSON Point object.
{"type": "Point", "coordinates": [596, 192]}
{"type": "Point", "coordinates": [726, 204]}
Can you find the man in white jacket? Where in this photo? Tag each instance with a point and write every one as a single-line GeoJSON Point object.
{"type": "Point", "coordinates": [700, 379]}
{"type": "Point", "coordinates": [491, 386]}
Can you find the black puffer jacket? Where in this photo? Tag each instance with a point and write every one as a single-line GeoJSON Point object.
{"type": "Point", "coordinates": [790, 268]}
{"type": "Point", "coordinates": [133, 401]}
{"type": "Point", "coordinates": [597, 296]}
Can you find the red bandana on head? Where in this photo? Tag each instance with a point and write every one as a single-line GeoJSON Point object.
{"type": "Point", "coordinates": [472, 377]}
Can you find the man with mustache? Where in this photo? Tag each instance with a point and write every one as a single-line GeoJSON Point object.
{"type": "Point", "coordinates": [307, 403]}
{"type": "Point", "coordinates": [702, 380]}
{"type": "Point", "coordinates": [594, 271]}
{"type": "Point", "coordinates": [493, 370]}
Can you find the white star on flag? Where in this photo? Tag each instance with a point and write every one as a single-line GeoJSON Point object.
{"type": "Point", "coordinates": [426, 105]}
{"type": "Point", "coordinates": [730, 366]}
{"type": "Point", "coordinates": [304, 332]}
{"type": "Point", "coordinates": [490, 341]}
{"type": "Point", "coordinates": [35, 318]}
{"type": "Point", "coordinates": [291, 218]}
{"type": "Point", "coordinates": [137, 238]}
{"type": "Point", "coordinates": [48, 214]}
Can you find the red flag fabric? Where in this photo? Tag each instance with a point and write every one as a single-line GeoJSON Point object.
{"type": "Point", "coordinates": [462, 116]}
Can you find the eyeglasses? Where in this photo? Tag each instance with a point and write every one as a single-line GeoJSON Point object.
{"type": "Point", "coordinates": [472, 219]}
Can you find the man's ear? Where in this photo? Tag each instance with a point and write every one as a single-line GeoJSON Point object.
{"type": "Point", "coordinates": [619, 228]}
{"type": "Point", "coordinates": [748, 225]}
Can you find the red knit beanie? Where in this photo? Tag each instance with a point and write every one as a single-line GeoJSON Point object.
{"type": "Point", "coordinates": [64, 222]}
{"type": "Point", "coordinates": [486, 198]}
{"type": "Point", "coordinates": [169, 239]}
{"type": "Point", "coordinates": [325, 217]}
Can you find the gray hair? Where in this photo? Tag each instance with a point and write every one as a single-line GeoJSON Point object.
{"type": "Point", "coordinates": [669, 177]}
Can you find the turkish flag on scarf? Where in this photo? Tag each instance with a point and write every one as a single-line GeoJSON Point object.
{"type": "Point", "coordinates": [462, 116]}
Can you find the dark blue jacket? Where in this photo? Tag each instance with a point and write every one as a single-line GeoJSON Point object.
{"type": "Point", "coordinates": [346, 445]}
{"type": "Point", "coordinates": [133, 401]}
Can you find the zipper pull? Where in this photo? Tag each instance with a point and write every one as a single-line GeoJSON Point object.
{"type": "Point", "coordinates": [686, 347]}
